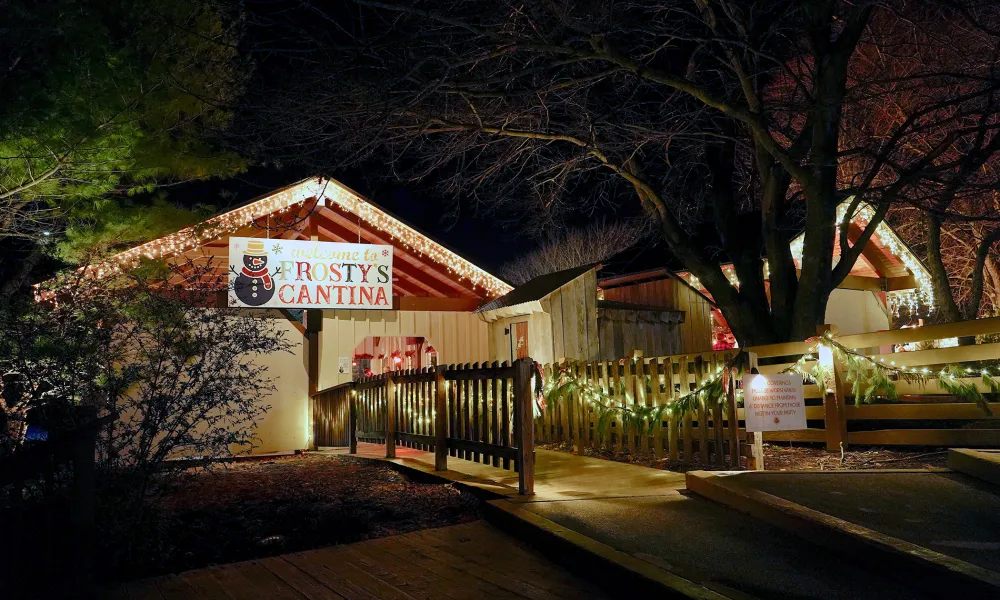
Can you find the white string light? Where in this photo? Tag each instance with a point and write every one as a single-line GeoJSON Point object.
{"type": "Point", "coordinates": [190, 238]}
{"type": "Point", "coordinates": [913, 300]}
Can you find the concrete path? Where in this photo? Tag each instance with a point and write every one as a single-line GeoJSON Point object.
{"type": "Point", "coordinates": [647, 514]}
{"type": "Point", "coordinates": [947, 512]}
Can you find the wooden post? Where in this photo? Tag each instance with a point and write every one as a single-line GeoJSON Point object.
{"type": "Point", "coordinates": [83, 508]}
{"type": "Point", "coordinates": [757, 436]}
{"type": "Point", "coordinates": [734, 424]}
{"type": "Point", "coordinates": [440, 420]}
{"type": "Point", "coordinates": [314, 325]}
{"type": "Point", "coordinates": [523, 432]}
{"type": "Point", "coordinates": [390, 417]}
{"type": "Point", "coordinates": [834, 411]}
{"type": "Point", "coordinates": [352, 424]}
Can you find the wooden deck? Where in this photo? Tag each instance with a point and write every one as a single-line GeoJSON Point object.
{"type": "Point", "coordinates": [469, 561]}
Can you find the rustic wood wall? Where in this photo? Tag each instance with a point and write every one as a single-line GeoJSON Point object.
{"type": "Point", "coordinates": [622, 331]}
{"type": "Point", "coordinates": [574, 319]}
{"type": "Point", "coordinates": [696, 331]}
{"type": "Point", "coordinates": [567, 327]}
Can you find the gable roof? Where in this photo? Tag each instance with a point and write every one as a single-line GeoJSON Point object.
{"type": "Point", "coordinates": [330, 211]}
{"type": "Point", "coordinates": [536, 289]}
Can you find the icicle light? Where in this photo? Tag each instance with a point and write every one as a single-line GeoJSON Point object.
{"type": "Point", "coordinates": [326, 190]}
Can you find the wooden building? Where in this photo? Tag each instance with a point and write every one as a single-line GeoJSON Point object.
{"type": "Point", "coordinates": [562, 315]}
{"type": "Point", "coordinates": [887, 278]}
{"type": "Point", "coordinates": [549, 318]}
{"type": "Point", "coordinates": [689, 310]}
{"type": "Point", "coordinates": [434, 294]}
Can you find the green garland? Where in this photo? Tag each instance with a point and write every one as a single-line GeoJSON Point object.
{"type": "Point", "coordinates": [869, 378]}
{"type": "Point", "coordinates": [644, 418]}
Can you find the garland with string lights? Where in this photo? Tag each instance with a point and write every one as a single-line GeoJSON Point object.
{"type": "Point", "coordinates": [711, 390]}
{"type": "Point", "coordinates": [869, 379]}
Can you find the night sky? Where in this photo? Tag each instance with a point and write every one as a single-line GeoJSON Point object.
{"type": "Point", "coordinates": [487, 241]}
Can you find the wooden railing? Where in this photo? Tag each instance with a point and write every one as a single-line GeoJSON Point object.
{"type": "Point", "coordinates": [471, 412]}
{"type": "Point", "coordinates": [925, 414]}
{"type": "Point", "coordinates": [704, 435]}
{"type": "Point", "coordinates": [47, 503]}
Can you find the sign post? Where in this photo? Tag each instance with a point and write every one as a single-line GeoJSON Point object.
{"type": "Point", "coordinates": [772, 403]}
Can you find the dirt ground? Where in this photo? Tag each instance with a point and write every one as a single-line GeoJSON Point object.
{"type": "Point", "coordinates": [252, 509]}
{"type": "Point", "coordinates": [787, 457]}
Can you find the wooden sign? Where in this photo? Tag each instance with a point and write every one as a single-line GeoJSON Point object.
{"type": "Point", "coordinates": [774, 402]}
{"type": "Point", "coordinates": [276, 273]}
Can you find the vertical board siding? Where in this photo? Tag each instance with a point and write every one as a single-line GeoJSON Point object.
{"type": "Point", "coordinates": [696, 330]}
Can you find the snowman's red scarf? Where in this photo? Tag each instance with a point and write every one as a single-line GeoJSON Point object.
{"type": "Point", "coordinates": [262, 273]}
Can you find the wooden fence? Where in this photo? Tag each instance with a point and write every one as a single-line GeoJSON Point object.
{"type": "Point", "coordinates": [925, 414]}
{"type": "Point", "coordinates": [702, 435]}
{"type": "Point", "coordinates": [471, 412]}
{"type": "Point", "coordinates": [47, 504]}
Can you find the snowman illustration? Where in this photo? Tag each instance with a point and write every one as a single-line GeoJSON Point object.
{"type": "Point", "coordinates": [254, 285]}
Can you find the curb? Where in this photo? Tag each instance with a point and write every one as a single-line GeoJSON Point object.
{"type": "Point", "coordinates": [613, 570]}
{"type": "Point", "coordinates": [981, 464]}
{"type": "Point", "coordinates": [940, 574]}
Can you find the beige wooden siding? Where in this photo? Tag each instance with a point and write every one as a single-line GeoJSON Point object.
{"type": "Point", "coordinates": [573, 309]}
{"type": "Point", "coordinates": [696, 330]}
{"type": "Point", "coordinates": [458, 337]}
{"type": "Point", "coordinates": [566, 329]}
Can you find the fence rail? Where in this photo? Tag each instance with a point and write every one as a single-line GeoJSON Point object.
{"type": "Point", "coordinates": [926, 414]}
{"type": "Point", "coordinates": [480, 413]}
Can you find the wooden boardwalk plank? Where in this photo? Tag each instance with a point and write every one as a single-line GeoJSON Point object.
{"type": "Point", "coordinates": [468, 585]}
{"type": "Point", "coordinates": [350, 581]}
{"type": "Point", "coordinates": [236, 584]}
{"type": "Point", "coordinates": [267, 582]}
{"type": "Point", "coordinates": [298, 580]}
{"type": "Point", "coordinates": [417, 582]}
{"type": "Point", "coordinates": [205, 586]}
{"type": "Point", "coordinates": [516, 574]}
{"type": "Point", "coordinates": [472, 561]}
{"type": "Point", "coordinates": [492, 549]}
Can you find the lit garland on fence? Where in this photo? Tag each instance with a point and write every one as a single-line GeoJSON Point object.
{"type": "Point", "coordinates": [190, 238]}
{"type": "Point", "coordinates": [869, 378]}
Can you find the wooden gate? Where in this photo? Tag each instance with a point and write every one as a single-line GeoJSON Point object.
{"type": "Point", "coordinates": [481, 413]}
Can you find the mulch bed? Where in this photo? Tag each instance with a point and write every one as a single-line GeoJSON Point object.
{"type": "Point", "coordinates": [239, 511]}
{"type": "Point", "coordinates": [785, 457]}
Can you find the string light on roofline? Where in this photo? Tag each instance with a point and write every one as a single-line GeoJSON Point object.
{"type": "Point", "coordinates": [915, 300]}
{"type": "Point", "coordinates": [190, 238]}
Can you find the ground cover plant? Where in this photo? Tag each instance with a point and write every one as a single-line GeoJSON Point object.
{"type": "Point", "coordinates": [238, 511]}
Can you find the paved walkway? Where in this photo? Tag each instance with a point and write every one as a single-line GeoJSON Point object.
{"type": "Point", "coordinates": [648, 514]}
{"type": "Point", "coordinates": [461, 562]}
{"type": "Point", "coordinates": [950, 513]}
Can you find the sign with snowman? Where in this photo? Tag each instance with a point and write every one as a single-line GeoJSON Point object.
{"type": "Point", "coordinates": [275, 273]}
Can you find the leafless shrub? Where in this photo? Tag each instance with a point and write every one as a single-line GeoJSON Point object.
{"type": "Point", "coordinates": [577, 247]}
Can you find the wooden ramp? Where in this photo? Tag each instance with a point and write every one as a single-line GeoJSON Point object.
{"type": "Point", "coordinates": [469, 561]}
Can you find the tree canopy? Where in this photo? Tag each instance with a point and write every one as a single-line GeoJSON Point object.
{"type": "Point", "coordinates": [104, 99]}
{"type": "Point", "coordinates": [757, 118]}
